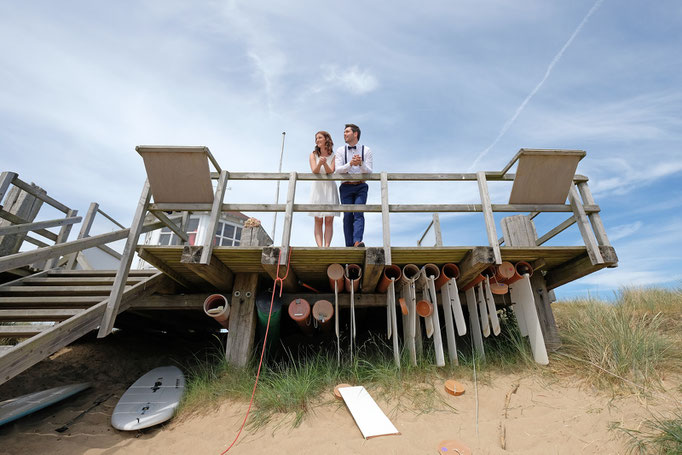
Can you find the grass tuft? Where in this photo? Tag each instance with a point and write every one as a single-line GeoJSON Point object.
{"type": "Point", "coordinates": [626, 343]}
{"type": "Point", "coordinates": [656, 436]}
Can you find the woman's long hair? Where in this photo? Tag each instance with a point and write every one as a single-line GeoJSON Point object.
{"type": "Point", "coordinates": [327, 142]}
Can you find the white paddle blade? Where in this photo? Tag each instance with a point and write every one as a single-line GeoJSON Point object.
{"type": "Point", "coordinates": [522, 293]}
{"type": "Point", "coordinates": [483, 310]}
{"type": "Point", "coordinates": [457, 308]}
{"type": "Point", "coordinates": [492, 310]}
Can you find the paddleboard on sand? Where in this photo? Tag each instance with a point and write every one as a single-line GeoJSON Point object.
{"type": "Point", "coordinates": [26, 404]}
{"type": "Point", "coordinates": [151, 400]}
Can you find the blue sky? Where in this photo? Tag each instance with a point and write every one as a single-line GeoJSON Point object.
{"type": "Point", "coordinates": [440, 86]}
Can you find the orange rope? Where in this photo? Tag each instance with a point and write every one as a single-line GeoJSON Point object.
{"type": "Point", "coordinates": [265, 339]}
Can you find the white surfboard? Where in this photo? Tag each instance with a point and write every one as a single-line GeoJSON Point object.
{"type": "Point", "coordinates": [151, 400]}
{"type": "Point", "coordinates": [26, 404]}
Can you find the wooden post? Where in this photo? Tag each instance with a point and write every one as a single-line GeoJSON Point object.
{"type": "Point", "coordinates": [6, 179]}
{"type": "Point", "coordinates": [85, 230]}
{"type": "Point", "coordinates": [21, 205]}
{"type": "Point", "coordinates": [436, 229]}
{"type": "Point", "coordinates": [488, 215]}
{"type": "Point", "coordinates": [118, 288]}
{"type": "Point", "coordinates": [584, 225]}
{"type": "Point", "coordinates": [385, 221]}
{"type": "Point", "coordinates": [242, 329]}
{"type": "Point", "coordinates": [289, 213]}
{"type": "Point", "coordinates": [519, 230]}
{"type": "Point", "coordinates": [372, 269]}
{"type": "Point", "coordinates": [216, 210]}
{"type": "Point", "coordinates": [62, 237]}
{"type": "Point", "coordinates": [594, 217]}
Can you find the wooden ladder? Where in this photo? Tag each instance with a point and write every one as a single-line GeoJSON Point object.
{"type": "Point", "coordinates": [52, 309]}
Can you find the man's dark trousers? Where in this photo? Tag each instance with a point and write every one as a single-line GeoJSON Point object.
{"type": "Point", "coordinates": [353, 222]}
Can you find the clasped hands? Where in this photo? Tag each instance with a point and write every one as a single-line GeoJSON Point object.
{"type": "Point", "coordinates": [356, 160]}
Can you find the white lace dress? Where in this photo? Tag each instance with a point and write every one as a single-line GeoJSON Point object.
{"type": "Point", "coordinates": [324, 191]}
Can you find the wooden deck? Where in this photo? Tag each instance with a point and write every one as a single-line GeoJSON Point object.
{"type": "Point", "coordinates": [559, 264]}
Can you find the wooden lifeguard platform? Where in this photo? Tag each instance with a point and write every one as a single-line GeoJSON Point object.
{"type": "Point", "coordinates": [180, 182]}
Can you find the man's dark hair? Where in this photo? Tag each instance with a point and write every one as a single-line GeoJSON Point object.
{"type": "Point", "coordinates": [354, 128]}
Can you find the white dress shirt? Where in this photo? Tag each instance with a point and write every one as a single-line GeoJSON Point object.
{"type": "Point", "coordinates": [343, 167]}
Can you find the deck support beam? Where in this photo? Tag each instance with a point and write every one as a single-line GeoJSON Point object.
{"type": "Point", "coordinates": [580, 267]}
{"type": "Point", "coordinates": [242, 330]}
{"type": "Point", "coordinates": [475, 261]}
{"type": "Point", "coordinates": [215, 272]}
{"type": "Point", "coordinates": [373, 268]}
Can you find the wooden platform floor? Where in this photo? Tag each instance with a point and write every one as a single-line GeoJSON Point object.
{"type": "Point", "coordinates": [560, 264]}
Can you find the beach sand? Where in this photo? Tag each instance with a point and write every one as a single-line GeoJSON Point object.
{"type": "Point", "coordinates": [547, 414]}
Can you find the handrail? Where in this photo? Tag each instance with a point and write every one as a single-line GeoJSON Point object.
{"type": "Point", "coordinates": [16, 260]}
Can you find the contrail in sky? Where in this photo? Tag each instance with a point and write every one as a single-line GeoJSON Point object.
{"type": "Point", "coordinates": [556, 59]}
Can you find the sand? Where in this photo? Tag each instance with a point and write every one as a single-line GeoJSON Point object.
{"type": "Point", "coordinates": [546, 415]}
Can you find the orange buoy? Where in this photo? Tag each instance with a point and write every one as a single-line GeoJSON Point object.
{"type": "Point", "coordinates": [403, 306]}
{"type": "Point", "coordinates": [452, 447]}
{"type": "Point", "coordinates": [453, 387]}
{"type": "Point", "coordinates": [424, 308]}
{"type": "Point", "coordinates": [337, 394]}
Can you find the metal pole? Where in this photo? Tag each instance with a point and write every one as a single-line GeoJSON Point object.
{"type": "Point", "coordinates": [281, 155]}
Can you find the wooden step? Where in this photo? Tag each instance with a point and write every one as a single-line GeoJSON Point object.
{"type": "Point", "coordinates": [4, 348]}
{"type": "Point", "coordinates": [78, 281]}
{"type": "Point", "coordinates": [99, 273]}
{"type": "Point", "coordinates": [22, 330]}
{"type": "Point", "coordinates": [38, 315]}
{"type": "Point", "coordinates": [55, 290]}
{"type": "Point", "coordinates": [19, 302]}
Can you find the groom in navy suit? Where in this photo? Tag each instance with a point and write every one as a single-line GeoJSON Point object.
{"type": "Point", "coordinates": [353, 158]}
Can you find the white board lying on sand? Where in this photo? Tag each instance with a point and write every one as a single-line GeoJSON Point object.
{"type": "Point", "coordinates": [151, 400]}
{"type": "Point", "coordinates": [367, 414]}
{"type": "Point", "coordinates": [26, 404]}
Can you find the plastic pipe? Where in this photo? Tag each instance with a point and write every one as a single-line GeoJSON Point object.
{"type": "Point", "coordinates": [390, 271]}
{"type": "Point", "coordinates": [521, 268]}
{"type": "Point", "coordinates": [335, 274]}
{"type": "Point", "coordinates": [473, 282]}
{"type": "Point", "coordinates": [448, 272]}
{"type": "Point", "coordinates": [217, 307]}
{"type": "Point", "coordinates": [323, 311]}
{"type": "Point", "coordinates": [352, 276]}
{"type": "Point", "coordinates": [410, 274]}
{"type": "Point", "coordinates": [299, 311]}
{"type": "Point", "coordinates": [428, 271]}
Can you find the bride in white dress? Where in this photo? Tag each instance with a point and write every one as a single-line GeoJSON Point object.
{"type": "Point", "coordinates": [323, 191]}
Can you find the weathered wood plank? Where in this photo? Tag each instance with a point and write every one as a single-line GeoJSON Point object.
{"type": "Point", "coordinates": [595, 218]}
{"type": "Point", "coordinates": [6, 179]}
{"type": "Point", "coordinates": [579, 267]}
{"type": "Point", "coordinates": [289, 213]}
{"type": "Point", "coordinates": [38, 193]}
{"type": "Point", "coordinates": [114, 301]}
{"type": "Point", "coordinates": [37, 302]}
{"type": "Point", "coordinates": [584, 226]}
{"type": "Point", "coordinates": [65, 280]}
{"type": "Point", "coordinates": [17, 260]}
{"type": "Point", "coordinates": [372, 270]}
{"type": "Point", "coordinates": [54, 290]}
{"type": "Point", "coordinates": [161, 216]}
{"type": "Point", "coordinates": [477, 260]}
{"type": "Point", "coordinates": [214, 219]}
{"type": "Point", "coordinates": [21, 330]}
{"type": "Point", "coordinates": [385, 219]}
{"type": "Point", "coordinates": [488, 215]}
{"type": "Point", "coordinates": [163, 267]}
{"type": "Point", "coordinates": [84, 231]}
{"type": "Point", "coordinates": [242, 328]}
{"type": "Point", "coordinates": [19, 220]}
{"type": "Point", "coordinates": [215, 272]}
{"type": "Point", "coordinates": [62, 237]}
{"type": "Point", "coordinates": [20, 228]}
{"type": "Point", "coordinates": [31, 351]}
{"type": "Point", "coordinates": [35, 315]}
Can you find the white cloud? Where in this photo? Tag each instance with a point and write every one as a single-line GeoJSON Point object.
{"type": "Point", "coordinates": [624, 230]}
{"type": "Point", "coordinates": [353, 79]}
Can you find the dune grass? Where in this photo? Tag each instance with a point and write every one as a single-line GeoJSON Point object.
{"type": "Point", "coordinates": [628, 343]}
{"type": "Point", "coordinates": [658, 435]}
{"type": "Point", "coordinates": [294, 384]}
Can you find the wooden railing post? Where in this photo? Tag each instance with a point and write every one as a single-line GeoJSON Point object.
{"type": "Point", "coordinates": [84, 232]}
{"type": "Point", "coordinates": [584, 226]}
{"type": "Point", "coordinates": [289, 215]}
{"type": "Point", "coordinates": [488, 215]}
{"type": "Point", "coordinates": [595, 218]}
{"type": "Point", "coordinates": [216, 211]}
{"type": "Point", "coordinates": [126, 260]}
{"type": "Point", "coordinates": [6, 179]}
{"type": "Point", "coordinates": [62, 237]}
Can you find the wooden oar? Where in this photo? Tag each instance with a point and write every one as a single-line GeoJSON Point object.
{"type": "Point", "coordinates": [474, 323]}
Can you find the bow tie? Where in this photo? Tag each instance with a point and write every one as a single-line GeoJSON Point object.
{"type": "Point", "coordinates": [352, 147]}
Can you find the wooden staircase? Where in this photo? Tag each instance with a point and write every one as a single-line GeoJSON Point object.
{"type": "Point", "coordinates": [51, 309]}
